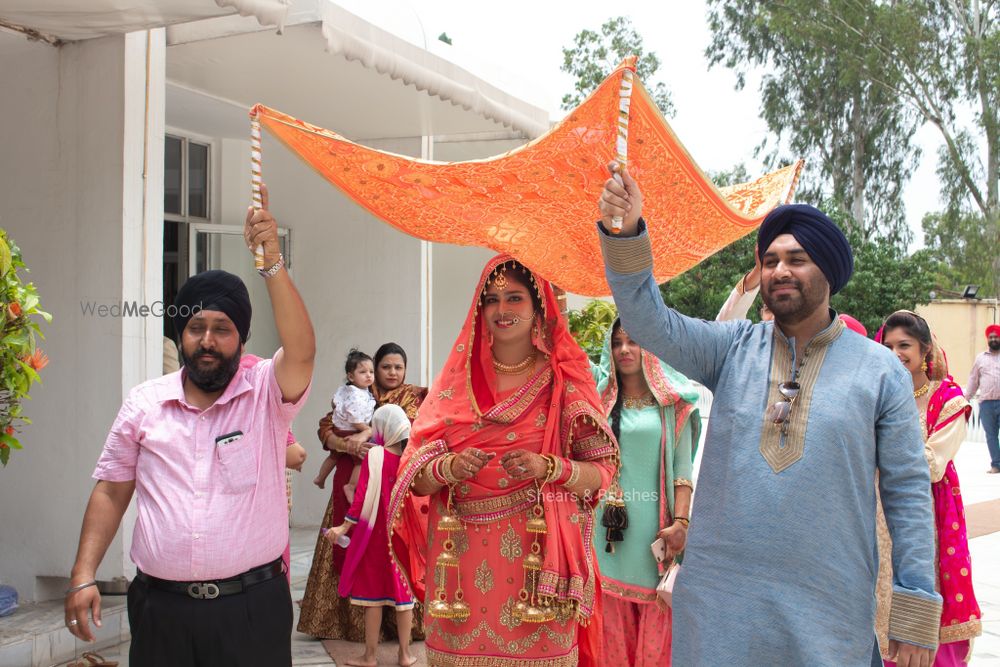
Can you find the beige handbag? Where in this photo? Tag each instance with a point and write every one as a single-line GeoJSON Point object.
{"type": "Point", "coordinates": [665, 589]}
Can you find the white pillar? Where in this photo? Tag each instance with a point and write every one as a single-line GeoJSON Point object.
{"type": "Point", "coordinates": [144, 94]}
{"type": "Point", "coordinates": [426, 290]}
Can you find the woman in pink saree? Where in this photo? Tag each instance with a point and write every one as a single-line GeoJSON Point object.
{"type": "Point", "coordinates": [944, 412]}
{"type": "Point", "coordinates": [496, 494]}
{"type": "Point", "coordinates": [368, 577]}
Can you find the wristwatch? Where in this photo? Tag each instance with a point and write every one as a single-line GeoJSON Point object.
{"type": "Point", "coordinates": [273, 271]}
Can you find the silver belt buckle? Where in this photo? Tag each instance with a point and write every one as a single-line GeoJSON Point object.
{"type": "Point", "coordinates": [207, 591]}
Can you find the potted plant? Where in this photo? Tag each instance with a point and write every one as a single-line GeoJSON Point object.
{"type": "Point", "coordinates": [20, 358]}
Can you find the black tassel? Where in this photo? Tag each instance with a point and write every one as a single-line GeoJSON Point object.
{"type": "Point", "coordinates": [615, 519]}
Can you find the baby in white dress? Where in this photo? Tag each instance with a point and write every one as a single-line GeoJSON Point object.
{"type": "Point", "coordinates": [353, 406]}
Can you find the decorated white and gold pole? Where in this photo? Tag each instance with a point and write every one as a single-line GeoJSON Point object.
{"type": "Point", "coordinates": [621, 143]}
{"type": "Point", "coordinates": [256, 180]}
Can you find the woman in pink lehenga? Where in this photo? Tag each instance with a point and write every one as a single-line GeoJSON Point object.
{"type": "Point", "coordinates": [944, 412]}
{"type": "Point", "coordinates": [368, 577]}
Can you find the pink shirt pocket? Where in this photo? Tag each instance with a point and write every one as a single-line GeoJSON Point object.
{"type": "Point", "coordinates": [238, 462]}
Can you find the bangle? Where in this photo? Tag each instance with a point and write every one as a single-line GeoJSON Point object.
{"type": "Point", "coordinates": [558, 469]}
{"type": "Point", "coordinates": [565, 471]}
{"type": "Point", "coordinates": [80, 587]}
{"type": "Point", "coordinates": [574, 473]}
{"type": "Point", "coordinates": [435, 467]}
{"type": "Point", "coordinates": [445, 470]}
{"type": "Point", "coordinates": [550, 468]}
{"type": "Point", "coordinates": [683, 520]}
{"type": "Point", "coordinates": [273, 271]}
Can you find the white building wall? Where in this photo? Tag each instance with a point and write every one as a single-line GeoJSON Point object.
{"type": "Point", "coordinates": [72, 135]}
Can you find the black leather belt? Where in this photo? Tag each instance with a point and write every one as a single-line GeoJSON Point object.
{"type": "Point", "coordinates": [209, 590]}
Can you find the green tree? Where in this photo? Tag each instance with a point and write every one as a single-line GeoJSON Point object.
{"type": "Point", "coordinates": [939, 58]}
{"type": "Point", "coordinates": [594, 56]}
{"type": "Point", "coordinates": [819, 105]}
{"type": "Point", "coordinates": [885, 280]}
{"type": "Point", "coordinates": [955, 239]}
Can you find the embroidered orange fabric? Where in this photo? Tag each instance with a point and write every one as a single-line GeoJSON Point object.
{"type": "Point", "coordinates": [539, 201]}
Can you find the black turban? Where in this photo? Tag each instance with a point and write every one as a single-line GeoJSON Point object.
{"type": "Point", "coordinates": [818, 235]}
{"type": "Point", "coordinates": [214, 290]}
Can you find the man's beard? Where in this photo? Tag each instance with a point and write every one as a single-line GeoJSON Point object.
{"type": "Point", "coordinates": [792, 307]}
{"type": "Point", "coordinates": [213, 379]}
{"type": "Point", "coordinates": [994, 345]}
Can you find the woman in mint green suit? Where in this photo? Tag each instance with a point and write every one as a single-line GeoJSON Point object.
{"type": "Point", "coordinates": [651, 408]}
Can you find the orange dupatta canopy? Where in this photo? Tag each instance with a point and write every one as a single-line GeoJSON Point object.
{"type": "Point", "coordinates": [538, 202]}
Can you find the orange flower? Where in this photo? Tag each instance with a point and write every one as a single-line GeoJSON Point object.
{"type": "Point", "coordinates": [9, 430]}
{"type": "Point", "coordinates": [15, 309]}
{"type": "Point", "coordinates": [38, 360]}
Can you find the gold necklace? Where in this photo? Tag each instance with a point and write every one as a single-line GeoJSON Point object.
{"type": "Point", "coordinates": [917, 393]}
{"type": "Point", "coordinates": [515, 369]}
{"type": "Point", "coordinates": [639, 402]}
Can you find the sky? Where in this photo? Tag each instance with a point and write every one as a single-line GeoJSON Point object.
{"type": "Point", "coordinates": [517, 46]}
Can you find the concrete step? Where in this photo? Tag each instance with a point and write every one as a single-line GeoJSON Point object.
{"type": "Point", "coordinates": [36, 636]}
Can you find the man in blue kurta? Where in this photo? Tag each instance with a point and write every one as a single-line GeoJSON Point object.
{"type": "Point", "coordinates": [781, 558]}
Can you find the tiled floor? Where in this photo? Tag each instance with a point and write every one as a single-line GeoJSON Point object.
{"type": "Point", "coordinates": [305, 650]}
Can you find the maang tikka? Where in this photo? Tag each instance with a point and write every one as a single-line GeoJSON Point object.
{"type": "Point", "coordinates": [501, 282]}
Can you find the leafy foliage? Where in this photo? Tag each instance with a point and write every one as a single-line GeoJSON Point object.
{"type": "Point", "coordinates": [20, 359]}
{"type": "Point", "coordinates": [589, 326]}
{"type": "Point", "coordinates": [956, 240]}
{"type": "Point", "coordinates": [885, 280]}
{"type": "Point", "coordinates": [820, 106]}
{"type": "Point", "coordinates": [595, 55]}
{"type": "Point", "coordinates": [913, 61]}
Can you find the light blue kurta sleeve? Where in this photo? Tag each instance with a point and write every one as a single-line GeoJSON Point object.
{"type": "Point", "coordinates": [905, 488]}
{"type": "Point", "coordinates": [694, 347]}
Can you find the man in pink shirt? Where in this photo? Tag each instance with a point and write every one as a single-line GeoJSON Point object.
{"type": "Point", "coordinates": [985, 379]}
{"type": "Point", "coordinates": [203, 451]}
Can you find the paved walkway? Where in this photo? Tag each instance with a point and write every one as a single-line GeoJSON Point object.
{"type": "Point", "coordinates": [981, 494]}
{"type": "Point", "coordinates": [305, 650]}
{"type": "Point", "coordinates": [980, 491]}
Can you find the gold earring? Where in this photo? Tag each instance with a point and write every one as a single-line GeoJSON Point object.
{"type": "Point", "coordinates": [923, 366]}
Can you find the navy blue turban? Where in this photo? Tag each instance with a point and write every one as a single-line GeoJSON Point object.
{"type": "Point", "coordinates": [817, 234]}
{"type": "Point", "coordinates": [214, 290]}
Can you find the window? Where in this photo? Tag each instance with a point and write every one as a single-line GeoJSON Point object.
{"type": "Point", "coordinates": [186, 188]}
